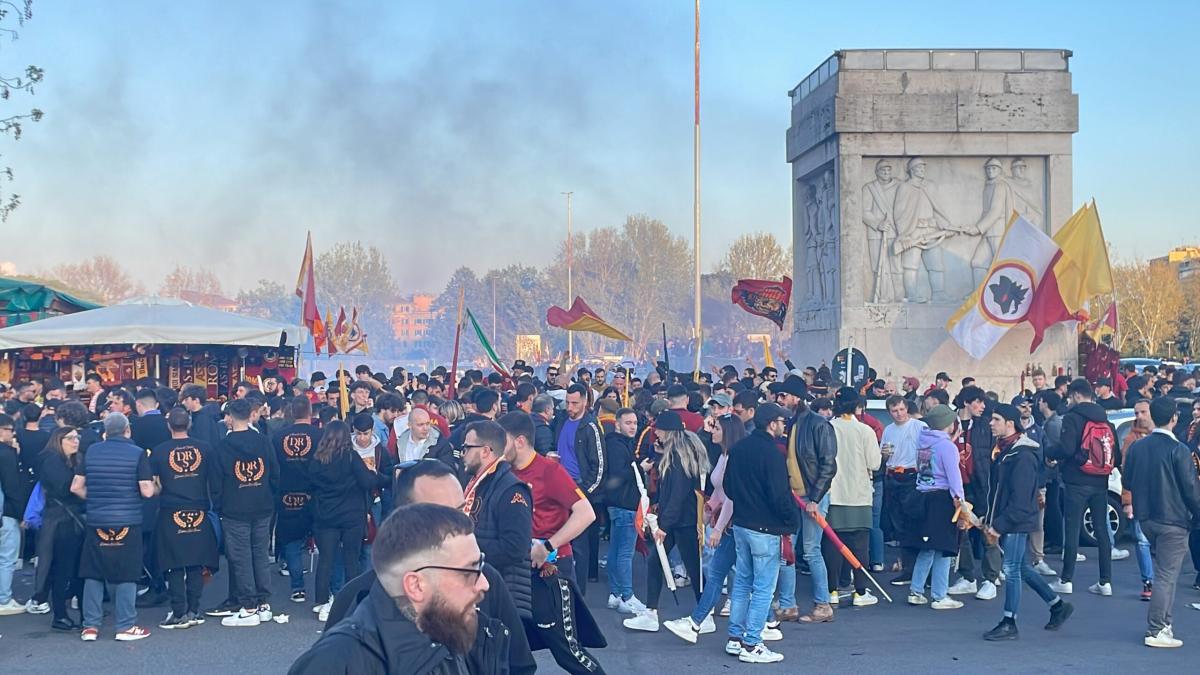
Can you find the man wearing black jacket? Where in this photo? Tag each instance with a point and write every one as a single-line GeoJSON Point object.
{"type": "Point", "coordinates": [501, 507]}
{"type": "Point", "coordinates": [976, 428]}
{"type": "Point", "coordinates": [432, 482]}
{"type": "Point", "coordinates": [294, 448]}
{"type": "Point", "coordinates": [1084, 490]}
{"type": "Point", "coordinates": [543, 415]}
{"type": "Point", "coordinates": [578, 441]}
{"type": "Point", "coordinates": [421, 615]}
{"type": "Point", "coordinates": [811, 465]}
{"type": "Point", "coordinates": [205, 423]}
{"type": "Point", "coordinates": [622, 496]}
{"type": "Point", "coordinates": [243, 493]}
{"type": "Point", "coordinates": [1162, 479]}
{"type": "Point", "coordinates": [756, 481]}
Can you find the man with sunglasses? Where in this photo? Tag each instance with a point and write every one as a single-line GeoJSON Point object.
{"type": "Point", "coordinates": [429, 481]}
{"type": "Point", "coordinates": [421, 615]}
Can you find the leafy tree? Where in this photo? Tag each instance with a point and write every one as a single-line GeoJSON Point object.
{"type": "Point", "coordinates": [757, 255]}
{"type": "Point", "coordinates": [13, 125]}
{"type": "Point", "coordinates": [188, 279]}
{"type": "Point", "coordinates": [1150, 302]}
{"type": "Point", "coordinates": [353, 275]}
{"type": "Point", "coordinates": [270, 300]}
{"type": "Point", "coordinates": [101, 276]}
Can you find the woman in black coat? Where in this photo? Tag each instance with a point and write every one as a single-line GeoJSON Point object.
{"type": "Point", "coordinates": [61, 537]}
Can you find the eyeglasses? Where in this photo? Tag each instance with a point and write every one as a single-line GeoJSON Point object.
{"type": "Point", "coordinates": [477, 571]}
{"type": "Point", "coordinates": [468, 446]}
{"type": "Point", "coordinates": [71, 437]}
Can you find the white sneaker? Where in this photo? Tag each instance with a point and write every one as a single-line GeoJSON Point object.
{"type": "Point", "coordinates": [759, 654]}
{"type": "Point", "coordinates": [1101, 589]}
{"type": "Point", "coordinates": [244, 617]}
{"type": "Point", "coordinates": [1000, 577]}
{"type": "Point", "coordinates": [1060, 586]}
{"type": "Point", "coordinates": [946, 603]}
{"type": "Point", "coordinates": [987, 591]}
{"type": "Point", "coordinates": [12, 607]}
{"type": "Point", "coordinates": [32, 607]}
{"type": "Point", "coordinates": [631, 606]}
{"type": "Point", "coordinates": [1079, 557]}
{"type": "Point", "coordinates": [963, 587]}
{"type": "Point", "coordinates": [732, 647]}
{"type": "Point", "coordinates": [1043, 569]}
{"type": "Point", "coordinates": [917, 599]}
{"type": "Point", "coordinates": [833, 598]}
{"type": "Point", "coordinates": [1164, 638]}
{"type": "Point", "coordinates": [323, 606]}
{"type": "Point", "coordinates": [725, 608]}
{"type": "Point", "coordinates": [613, 601]}
{"type": "Point", "coordinates": [685, 629]}
{"type": "Point", "coordinates": [771, 635]}
{"type": "Point", "coordinates": [647, 621]}
{"type": "Point", "coordinates": [1120, 553]}
{"type": "Point", "coordinates": [708, 625]}
{"type": "Point", "coordinates": [323, 615]}
{"type": "Point", "coordinates": [264, 613]}
{"type": "Point", "coordinates": [865, 599]}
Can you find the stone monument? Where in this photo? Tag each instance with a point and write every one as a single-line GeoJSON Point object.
{"type": "Point", "coordinates": [906, 165]}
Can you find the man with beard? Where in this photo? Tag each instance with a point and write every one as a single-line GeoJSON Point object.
{"type": "Point", "coordinates": [581, 452]}
{"type": "Point", "coordinates": [421, 615]}
{"type": "Point", "coordinates": [185, 539]}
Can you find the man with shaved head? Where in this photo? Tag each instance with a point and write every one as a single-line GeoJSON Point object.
{"type": "Point", "coordinates": [420, 436]}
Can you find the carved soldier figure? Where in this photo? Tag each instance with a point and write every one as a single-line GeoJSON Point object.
{"type": "Point", "coordinates": [999, 203]}
{"type": "Point", "coordinates": [812, 245]}
{"type": "Point", "coordinates": [1028, 200]}
{"type": "Point", "coordinates": [921, 225]}
{"type": "Point", "coordinates": [829, 231]}
{"type": "Point", "coordinates": [878, 198]}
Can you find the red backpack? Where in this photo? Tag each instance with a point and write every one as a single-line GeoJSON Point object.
{"type": "Point", "coordinates": [1096, 449]}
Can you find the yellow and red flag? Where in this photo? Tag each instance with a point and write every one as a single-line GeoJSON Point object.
{"type": "Point", "coordinates": [583, 319]}
{"type": "Point", "coordinates": [306, 290]}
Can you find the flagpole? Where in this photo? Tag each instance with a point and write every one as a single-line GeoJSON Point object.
{"type": "Point", "coordinates": [570, 291]}
{"type": "Point", "coordinates": [452, 385]}
{"type": "Point", "coordinates": [696, 194]}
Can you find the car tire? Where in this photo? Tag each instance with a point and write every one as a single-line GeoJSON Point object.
{"type": "Point", "coordinates": [1115, 514]}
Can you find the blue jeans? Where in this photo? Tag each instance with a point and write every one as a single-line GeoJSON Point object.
{"type": "Point", "coordinates": [753, 585]}
{"type": "Point", "coordinates": [10, 548]}
{"type": "Point", "coordinates": [293, 555]}
{"type": "Point", "coordinates": [812, 553]}
{"type": "Point", "coordinates": [723, 557]}
{"type": "Point", "coordinates": [621, 540]}
{"type": "Point", "coordinates": [786, 586]}
{"type": "Point", "coordinates": [1145, 562]}
{"type": "Point", "coordinates": [876, 547]}
{"type": "Point", "coordinates": [1016, 567]}
{"type": "Point", "coordinates": [124, 599]}
{"type": "Point", "coordinates": [931, 562]}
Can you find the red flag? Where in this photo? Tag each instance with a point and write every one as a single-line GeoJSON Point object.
{"type": "Point", "coordinates": [583, 319]}
{"type": "Point", "coordinates": [765, 298]}
{"type": "Point", "coordinates": [306, 290]}
{"type": "Point", "coordinates": [1048, 306]}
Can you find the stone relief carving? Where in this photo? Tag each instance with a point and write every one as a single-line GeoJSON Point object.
{"type": "Point", "coordinates": [932, 234]}
{"type": "Point", "coordinates": [821, 238]}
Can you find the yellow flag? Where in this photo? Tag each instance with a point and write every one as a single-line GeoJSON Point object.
{"type": "Point", "coordinates": [1083, 271]}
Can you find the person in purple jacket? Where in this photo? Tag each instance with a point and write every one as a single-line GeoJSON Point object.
{"type": "Point", "coordinates": [939, 485]}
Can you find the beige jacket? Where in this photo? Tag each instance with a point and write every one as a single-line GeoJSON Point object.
{"type": "Point", "coordinates": [858, 453]}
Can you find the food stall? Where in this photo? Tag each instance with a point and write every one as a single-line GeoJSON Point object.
{"type": "Point", "coordinates": [171, 340]}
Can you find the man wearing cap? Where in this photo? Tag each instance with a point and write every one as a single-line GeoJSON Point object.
{"type": "Point", "coordinates": [1105, 396]}
{"type": "Point", "coordinates": [941, 381]}
{"type": "Point", "coordinates": [1013, 516]}
{"type": "Point", "coordinates": [811, 465]}
{"type": "Point", "coordinates": [677, 398]}
{"type": "Point", "coordinates": [755, 481]}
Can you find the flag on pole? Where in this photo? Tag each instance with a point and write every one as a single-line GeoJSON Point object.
{"type": "Point", "coordinates": [328, 332]}
{"type": "Point", "coordinates": [338, 336]}
{"type": "Point", "coordinates": [1020, 286]}
{"type": "Point", "coordinates": [765, 298]}
{"type": "Point", "coordinates": [1083, 271]}
{"type": "Point", "coordinates": [306, 290]}
{"type": "Point", "coordinates": [497, 364]}
{"type": "Point", "coordinates": [1105, 324]}
{"type": "Point", "coordinates": [343, 394]}
{"type": "Point", "coordinates": [766, 343]}
{"type": "Point", "coordinates": [355, 337]}
{"type": "Point", "coordinates": [583, 319]}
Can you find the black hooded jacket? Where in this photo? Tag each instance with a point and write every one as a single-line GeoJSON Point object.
{"type": "Point", "coordinates": [1076, 417]}
{"type": "Point", "coordinates": [247, 476]}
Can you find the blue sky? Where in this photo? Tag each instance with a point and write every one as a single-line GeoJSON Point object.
{"type": "Point", "coordinates": [215, 133]}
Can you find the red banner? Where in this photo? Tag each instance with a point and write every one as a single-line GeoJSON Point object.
{"type": "Point", "coordinates": [765, 298]}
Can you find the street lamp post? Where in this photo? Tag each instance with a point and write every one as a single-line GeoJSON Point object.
{"type": "Point", "coordinates": [1170, 344]}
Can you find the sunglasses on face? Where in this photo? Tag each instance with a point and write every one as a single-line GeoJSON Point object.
{"type": "Point", "coordinates": [473, 573]}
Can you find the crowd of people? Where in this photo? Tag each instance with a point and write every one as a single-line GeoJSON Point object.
{"type": "Point", "coordinates": [467, 514]}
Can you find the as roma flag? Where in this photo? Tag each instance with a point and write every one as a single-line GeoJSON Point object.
{"type": "Point", "coordinates": [583, 319]}
{"type": "Point", "coordinates": [765, 298]}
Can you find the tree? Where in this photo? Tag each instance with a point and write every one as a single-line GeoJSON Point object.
{"type": "Point", "coordinates": [1149, 304]}
{"type": "Point", "coordinates": [353, 275]}
{"type": "Point", "coordinates": [270, 300]}
{"type": "Point", "coordinates": [13, 125]}
{"type": "Point", "coordinates": [101, 276]}
{"type": "Point", "coordinates": [1189, 325]}
{"type": "Point", "coordinates": [756, 256]}
{"type": "Point", "coordinates": [187, 279]}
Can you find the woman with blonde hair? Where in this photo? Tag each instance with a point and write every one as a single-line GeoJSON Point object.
{"type": "Point", "coordinates": [682, 467]}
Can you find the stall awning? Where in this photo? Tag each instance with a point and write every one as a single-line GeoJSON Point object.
{"type": "Point", "coordinates": [22, 301]}
{"type": "Point", "coordinates": [150, 321]}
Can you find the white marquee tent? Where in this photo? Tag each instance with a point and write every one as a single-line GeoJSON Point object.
{"type": "Point", "coordinates": [150, 320]}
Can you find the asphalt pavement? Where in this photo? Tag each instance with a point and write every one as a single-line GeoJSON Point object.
{"type": "Point", "coordinates": [1104, 633]}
